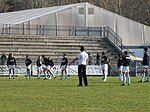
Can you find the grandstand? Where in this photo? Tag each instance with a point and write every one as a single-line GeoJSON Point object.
{"type": "Point", "coordinates": [63, 29]}
{"type": "Point", "coordinates": [54, 47]}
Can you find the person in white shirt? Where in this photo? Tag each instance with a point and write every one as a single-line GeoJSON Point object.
{"type": "Point", "coordinates": [83, 60]}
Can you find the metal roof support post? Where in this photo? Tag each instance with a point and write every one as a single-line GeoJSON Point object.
{"type": "Point", "coordinates": [104, 30]}
{"type": "Point", "coordinates": [36, 29]}
{"type": "Point", "coordinates": [69, 30]}
{"type": "Point", "coordinates": [9, 29]}
{"type": "Point", "coordinates": [3, 29]}
{"type": "Point", "coordinates": [88, 31]}
{"type": "Point", "coordinates": [100, 31]}
{"type": "Point", "coordinates": [56, 30]}
{"type": "Point", "coordinates": [23, 29]}
{"type": "Point", "coordinates": [107, 32]}
{"type": "Point", "coordinates": [43, 30]}
{"type": "Point", "coordinates": [75, 32]}
{"type": "Point", "coordinates": [40, 30]}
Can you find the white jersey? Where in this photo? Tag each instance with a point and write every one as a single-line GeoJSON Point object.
{"type": "Point", "coordinates": [82, 56]}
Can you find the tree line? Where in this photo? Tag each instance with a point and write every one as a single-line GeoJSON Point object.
{"type": "Point", "coordinates": [138, 10]}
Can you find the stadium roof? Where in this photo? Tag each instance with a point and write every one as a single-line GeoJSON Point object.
{"type": "Point", "coordinates": [83, 15]}
{"type": "Point", "coordinates": [26, 15]}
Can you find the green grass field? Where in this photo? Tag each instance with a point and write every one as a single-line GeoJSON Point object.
{"type": "Point", "coordinates": [37, 95]}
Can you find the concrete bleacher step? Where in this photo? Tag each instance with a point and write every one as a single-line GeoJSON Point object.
{"type": "Point", "coordinates": [54, 47]}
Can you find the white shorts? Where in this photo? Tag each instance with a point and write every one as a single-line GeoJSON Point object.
{"type": "Point", "coordinates": [145, 66]}
{"type": "Point", "coordinates": [104, 66]}
{"type": "Point", "coordinates": [28, 67]}
{"type": "Point", "coordinates": [11, 66]}
{"type": "Point", "coordinates": [63, 67]}
{"type": "Point", "coordinates": [120, 68]}
{"type": "Point", "coordinates": [47, 67]}
{"type": "Point", "coordinates": [38, 68]}
{"type": "Point", "coordinates": [125, 69]}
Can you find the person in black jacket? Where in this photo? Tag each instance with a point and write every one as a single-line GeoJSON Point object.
{"type": "Point", "coordinates": [97, 59]}
{"type": "Point", "coordinates": [28, 63]}
{"type": "Point", "coordinates": [145, 64]}
{"type": "Point", "coordinates": [64, 67]}
{"type": "Point", "coordinates": [126, 70]}
{"type": "Point", "coordinates": [11, 63]}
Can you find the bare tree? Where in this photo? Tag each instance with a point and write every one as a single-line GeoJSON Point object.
{"type": "Point", "coordinates": [30, 4]}
{"type": "Point", "coordinates": [3, 6]}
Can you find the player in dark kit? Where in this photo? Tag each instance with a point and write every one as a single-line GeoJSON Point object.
{"type": "Point", "coordinates": [28, 63]}
{"type": "Point", "coordinates": [11, 63]}
{"type": "Point", "coordinates": [104, 64]}
{"type": "Point", "coordinates": [64, 67]}
{"type": "Point", "coordinates": [145, 63]}
{"type": "Point", "coordinates": [120, 67]}
{"type": "Point", "coordinates": [39, 67]}
{"type": "Point", "coordinates": [126, 70]}
{"type": "Point", "coordinates": [47, 69]}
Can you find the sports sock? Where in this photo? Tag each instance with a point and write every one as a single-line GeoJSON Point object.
{"type": "Point", "coordinates": [9, 74]}
{"type": "Point", "coordinates": [45, 75]}
{"type": "Point", "coordinates": [147, 75]}
{"type": "Point", "coordinates": [61, 76]}
{"type": "Point", "coordinates": [120, 77]}
{"type": "Point", "coordinates": [13, 74]}
{"type": "Point", "coordinates": [49, 75]}
{"type": "Point", "coordinates": [124, 79]}
{"type": "Point", "coordinates": [143, 75]}
{"type": "Point", "coordinates": [66, 75]}
{"type": "Point", "coordinates": [53, 74]}
{"type": "Point", "coordinates": [128, 79]}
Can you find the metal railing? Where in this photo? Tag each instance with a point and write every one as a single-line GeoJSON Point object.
{"type": "Point", "coordinates": [52, 30]}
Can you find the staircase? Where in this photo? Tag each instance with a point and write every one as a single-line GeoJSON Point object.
{"type": "Point", "coordinates": [54, 47]}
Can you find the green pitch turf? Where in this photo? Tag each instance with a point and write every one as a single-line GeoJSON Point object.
{"type": "Point", "coordinates": [37, 95]}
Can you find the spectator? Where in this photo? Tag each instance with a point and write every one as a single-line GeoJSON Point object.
{"type": "Point", "coordinates": [90, 59]}
{"type": "Point", "coordinates": [97, 59]}
{"type": "Point", "coordinates": [3, 59]}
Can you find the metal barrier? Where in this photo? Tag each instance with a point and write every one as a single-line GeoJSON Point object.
{"type": "Point", "coordinates": [91, 70]}
{"type": "Point", "coordinates": [72, 70]}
